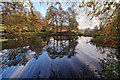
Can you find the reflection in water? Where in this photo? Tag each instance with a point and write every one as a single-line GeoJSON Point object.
{"type": "Point", "coordinates": [56, 47]}
{"type": "Point", "coordinates": [110, 65]}
{"type": "Point", "coordinates": [53, 57]}
{"type": "Point", "coordinates": [60, 46]}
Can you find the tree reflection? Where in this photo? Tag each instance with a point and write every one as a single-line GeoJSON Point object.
{"type": "Point", "coordinates": [110, 64]}
{"type": "Point", "coordinates": [20, 51]}
{"type": "Point", "coordinates": [61, 46]}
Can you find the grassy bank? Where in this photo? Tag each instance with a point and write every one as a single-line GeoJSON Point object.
{"type": "Point", "coordinates": [58, 33]}
{"type": "Point", "coordinates": [3, 40]}
{"type": "Point", "coordinates": [7, 36]}
{"type": "Point", "coordinates": [101, 40]}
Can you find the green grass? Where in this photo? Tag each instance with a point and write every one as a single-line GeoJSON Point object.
{"type": "Point", "coordinates": [2, 40]}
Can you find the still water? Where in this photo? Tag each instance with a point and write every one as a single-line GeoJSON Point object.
{"type": "Point", "coordinates": [53, 57]}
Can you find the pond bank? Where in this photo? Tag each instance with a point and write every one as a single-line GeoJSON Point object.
{"type": "Point", "coordinates": [27, 34]}
{"type": "Point", "coordinates": [100, 40]}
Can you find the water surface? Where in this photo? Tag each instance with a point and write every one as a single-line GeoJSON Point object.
{"type": "Point", "coordinates": [52, 57]}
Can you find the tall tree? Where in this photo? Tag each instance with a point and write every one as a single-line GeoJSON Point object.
{"type": "Point", "coordinates": [52, 16]}
{"type": "Point", "coordinates": [62, 14]}
{"type": "Point", "coordinates": [72, 22]}
{"type": "Point", "coordinates": [34, 21]}
{"type": "Point", "coordinates": [14, 15]}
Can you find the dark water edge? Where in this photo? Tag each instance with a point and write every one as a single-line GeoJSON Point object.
{"type": "Point", "coordinates": [54, 57]}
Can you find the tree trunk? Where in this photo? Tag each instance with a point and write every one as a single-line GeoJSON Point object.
{"type": "Point", "coordinates": [57, 26]}
{"type": "Point", "coordinates": [19, 32]}
{"type": "Point", "coordinates": [118, 31]}
{"type": "Point", "coordinates": [69, 26]}
{"type": "Point", "coordinates": [35, 30]}
{"type": "Point", "coordinates": [61, 27]}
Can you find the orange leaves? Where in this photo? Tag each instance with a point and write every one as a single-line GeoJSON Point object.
{"type": "Point", "coordinates": [90, 4]}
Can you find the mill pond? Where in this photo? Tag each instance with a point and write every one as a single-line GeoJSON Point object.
{"type": "Point", "coordinates": [57, 57]}
{"type": "Point", "coordinates": [57, 39]}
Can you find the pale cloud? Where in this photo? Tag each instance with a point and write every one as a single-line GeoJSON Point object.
{"type": "Point", "coordinates": [83, 19]}
{"type": "Point", "coordinates": [26, 4]}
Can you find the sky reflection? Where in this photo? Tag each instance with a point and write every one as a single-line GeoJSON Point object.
{"type": "Point", "coordinates": [66, 57]}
